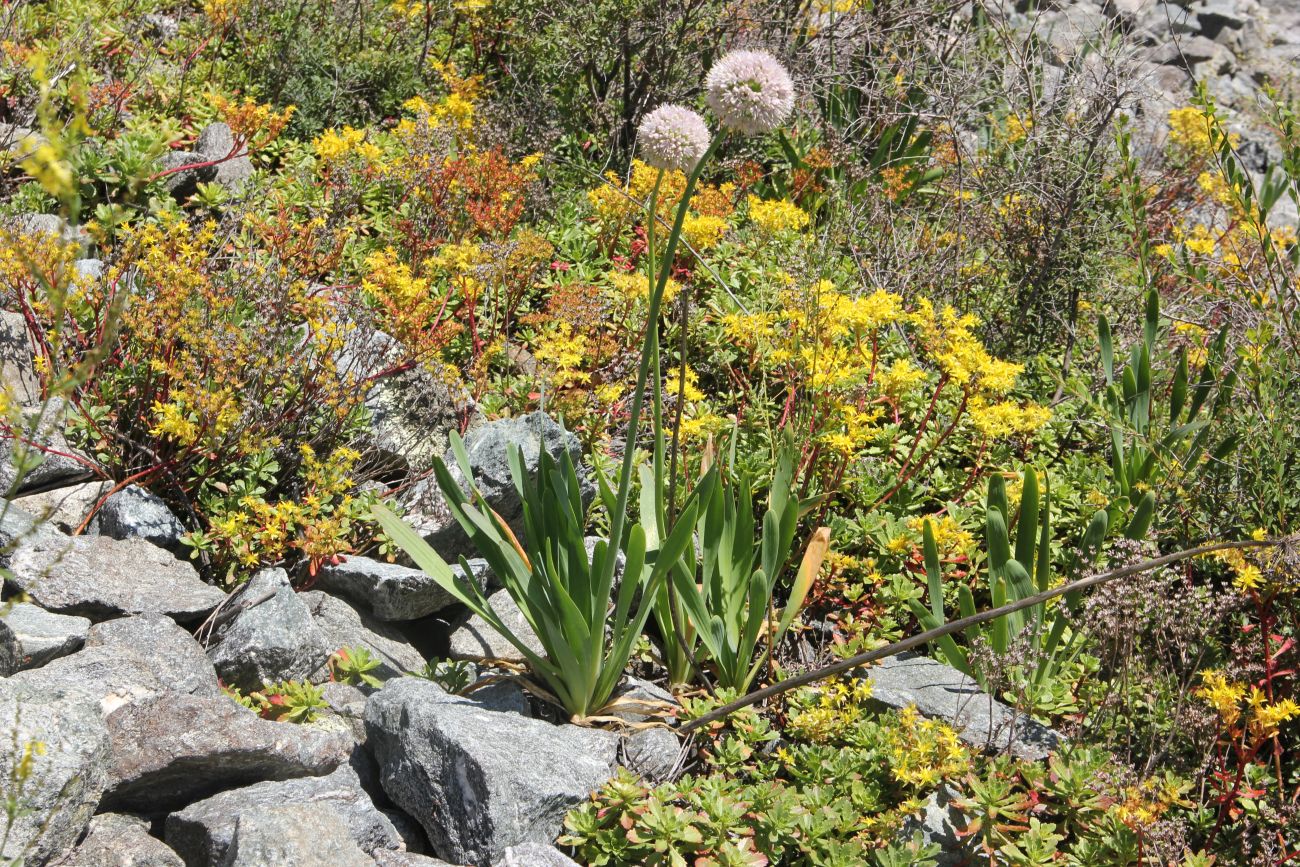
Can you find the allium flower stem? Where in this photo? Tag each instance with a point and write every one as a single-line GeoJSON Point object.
{"type": "Point", "coordinates": [649, 353]}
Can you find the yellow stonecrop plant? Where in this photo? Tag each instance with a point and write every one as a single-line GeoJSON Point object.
{"type": "Point", "coordinates": [840, 354]}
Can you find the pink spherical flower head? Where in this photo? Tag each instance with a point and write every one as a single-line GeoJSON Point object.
{"type": "Point", "coordinates": [750, 91]}
{"type": "Point", "coordinates": [672, 137]}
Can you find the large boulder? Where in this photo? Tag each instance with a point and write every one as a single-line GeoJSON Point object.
{"type": "Point", "coordinates": [141, 658]}
{"type": "Point", "coordinates": [69, 768]}
{"type": "Point", "coordinates": [169, 750]}
{"type": "Point", "coordinates": [100, 578]}
{"type": "Point", "coordinates": [121, 840]}
{"type": "Point", "coordinates": [479, 780]}
{"type": "Point", "coordinates": [40, 636]}
{"type": "Point", "coordinates": [135, 513]}
{"type": "Point", "coordinates": [293, 835]}
{"type": "Point", "coordinates": [203, 832]}
{"type": "Point", "coordinates": [273, 639]}
{"type": "Point", "coordinates": [346, 626]}
{"type": "Point", "coordinates": [487, 448]}
{"type": "Point", "coordinates": [942, 692]}
{"type": "Point", "coordinates": [391, 591]}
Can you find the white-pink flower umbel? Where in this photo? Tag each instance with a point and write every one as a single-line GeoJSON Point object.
{"type": "Point", "coordinates": [672, 137]}
{"type": "Point", "coordinates": [750, 91]}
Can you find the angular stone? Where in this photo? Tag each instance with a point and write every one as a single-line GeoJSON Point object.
{"type": "Point", "coordinates": [66, 508]}
{"type": "Point", "coordinates": [135, 513]}
{"type": "Point", "coordinates": [17, 369]}
{"type": "Point", "coordinates": [67, 778]}
{"type": "Point", "coordinates": [941, 692]}
{"type": "Point", "coordinates": [535, 855]}
{"type": "Point", "coordinates": [295, 835]}
{"type": "Point", "coordinates": [487, 448]}
{"type": "Point", "coordinates": [940, 823]}
{"type": "Point", "coordinates": [391, 591]}
{"type": "Point", "coordinates": [120, 840]}
{"type": "Point", "coordinates": [389, 858]}
{"type": "Point", "coordinates": [203, 832]}
{"type": "Point", "coordinates": [169, 750]}
{"type": "Point", "coordinates": [168, 651]}
{"type": "Point", "coordinates": [99, 578]}
{"type": "Point", "coordinates": [49, 462]}
{"type": "Point", "coordinates": [183, 182]}
{"type": "Point", "coordinates": [480, 781]}
{"type": "Point", "coordinates": [273, 639]}
{"type": "Point", "coordinates": [476, 640]}
{"type": "Point", "coordinates": [346, 626]}
{"type": "Point", "coordinates": [112, 674]}
{"type": "Point", "coordinates": [217, 142]}
{"type": "Point", "coordinates": [42, 636]}
{"type": "Point", "coordinates": [654, 753]}
{"type": "Point", "coordinates": [411, 411]}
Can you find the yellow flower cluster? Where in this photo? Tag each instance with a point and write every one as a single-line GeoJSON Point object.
{"type": "Point", "coordinates": [318, 524]}
{"type": "Point", "coordinates": [1189, 133]}
{"type": "Point", "coordinates": [1007, 418]}
{"type": "Point", "coordinates": [923, 752]}
{"type": "Point", "coordinates": [617, 205]}
{"type": "Point", "coordinates": [1230, 699]}
{"type": "Point", "coordinates": [1142, 805]}
{"type": "Point", "coordinates": [776, 216]}
{"type": "Point", "coordinates": [562, 351]}
{"type": "Point", "coordinates": [1246, 576]}
{"type": "Point", "coordinates": [950, 537]}
{"type": "Point", "coordinates": [333, 146]}
{"type": "Point", "coordinates": [827, 712]}
{"type": "Point", "coordinates": [635, 286]}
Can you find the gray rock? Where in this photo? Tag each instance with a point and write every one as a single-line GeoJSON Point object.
{"type": "Point", "coordinates": [120, 840]}
{"type": "Point", "coordinates": [296, 835]}
{"type": "Point", "coordinates": [389, 858]}
{"type": "Point", "coordinates": [162, 27]}
{"type": "Point", "coordinates": [135, 513]}
{"type": "Point", "coordinates": [478, 780]}
{"type": "Point", "coordinates": [942, 692]}
{"type": "Point", "coordinates": [66, 508]}
{"type": "Point", "coordinates": [203, 832]}
{"type": "Point", "coordinates": [273, 639]}
{"type": "Point", "coordinates": [169, 750]}
{"type": "Point", "coordinates": [640, 700]}
{"type": "Point", "coordinates": [391, 591]}
{"type": "Point", "coordinates": [654, 753]}
{"type": "Point", "coordinates": [17, 370]}
{"type": "Point", "coordinates": [99, 578]}
{"type": "Point", "coordinates": [476, 640]}
{"type": "Point", "coordinates": [487, 448]}
{"type": "Point", "coordinates": [940, 823]}
{"type": "Point", "coordinates": [48, 461]}
{"type": "Point", "coordinates": [167, 650]}
{"type": "Point", "coordinates": [67, 779]}
{"type": "Point", "coordinates": [41, 636]}
{"type": "Point", "coordinates": [184, 182]}
{"type": "Point", "coordinates": [217, 142]}
{"type": "Point", "coordinates": [89, 269]}
{"type": "Point", "coordinates": [114, 675]}
{"type": "Point", "coordinates": [346, 626]}
{"type": "Point", "coordinates": [10, 650]}
{"type": "Point", "coordinates": [19, 140]}
{"type": "Point", "coordinates": [534, 855]}
{"type": "Point", "coordinates": [411, 411]}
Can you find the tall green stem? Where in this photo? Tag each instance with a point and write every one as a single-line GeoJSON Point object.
{"type": "Point", "coordinates": [649, 352]}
